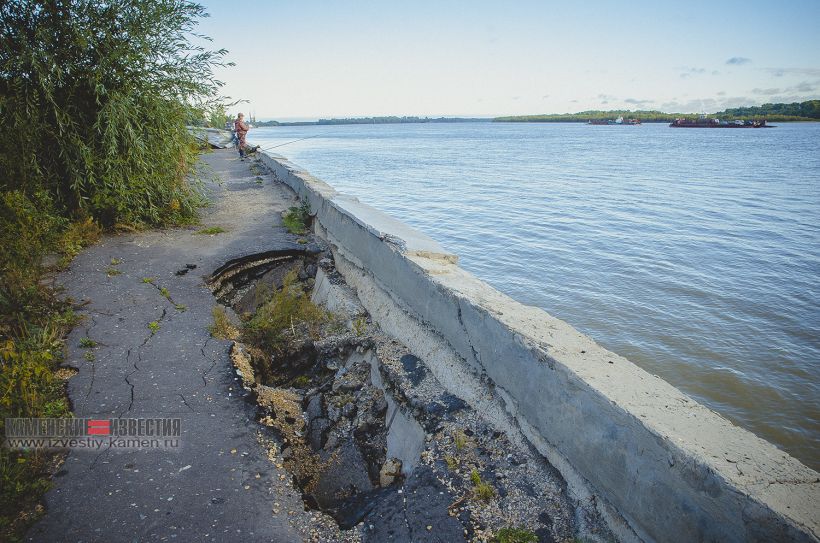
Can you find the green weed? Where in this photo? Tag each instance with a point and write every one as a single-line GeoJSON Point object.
{"type": "Point", "coordinates": [89, 355]}
{"type": "Point", "coordinates": [287, 308]}
{"type": "Point", "coordinates": [164, 292]}
{"type": "Point", "coordinates": [112, 272]}
{"type": "Point", "coordinates": [297, 219]}
{"type": "Point", "coordinates": [482, 490]}
{"type": "Point", "coordinates": [87, 343]}
{"type": "Point", "coordinates": [116, 261]}
{"type": "Point", "coordinates": [460, 439]}
{"type": "Point", "coordinates": [452, 462]}
{"type": "Point", "coordinates": [222, 327]}
{"type": "Point", "coordinates": [343, 399]}
{"type": "Point", "coordinates": [212, 231]}
{"type": "Point", "coordinates": [28, 388]}
{"type": "Point", "coordinates": [154, 327]}
{"type": "Point", "coordinates": [82, 149]}
{"type": "Point", "coordinates": [360, 326]}
{"type": "Point", "coordinates": [76, 237]}
{"type": "Point", "coordinates": [512, 534]}
{"type": "Point", "coordinates": [149, 280]}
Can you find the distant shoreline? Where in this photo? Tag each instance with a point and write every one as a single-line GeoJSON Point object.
{"type": "Point", "coordinates": [376, 120]}
{"type": "Point", "coordinates": [269, 124]}
{"type": "Point", "coordinates": [795, 112]}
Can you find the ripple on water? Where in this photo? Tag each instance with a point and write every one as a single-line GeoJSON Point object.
{"type": "Point", "coordinates": [696, 254]}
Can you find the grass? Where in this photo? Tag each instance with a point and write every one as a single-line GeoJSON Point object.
{"type": "Point", "coordinates": [482, 490]}
{"type": "Point", "coordinates": [30, 387]}
{"type": "Point", "coordinates": [343, 399]}
{"type": "Point", "coordinates": [211, 231]}
{"type": "Point", "coordinates": [222, 327]}
{"type": "Point", "coordinates": [154, 327]}
{"type": "Point", "coordinates": [82, 149]}
{"type": "Point", "coordinates": [180, 307]}
{"type": "Point", "coordinates": [33, 324]}
{"type": "Point", "coordinates": [511, 534]}
{"type": "Point", "coordinates": [149, 280]}
{"type": "Point", "coordinates": [360, 326]}
{"type": "Point", "coordinates": [452, 462]}
{"type": "Point", "coordinates": [116, 261]}
{"type": "Point", "coordinates": [277, 318]}
{"type": "Point", "coordinates": [460, 439]}
{"type": "Point", "coordinates": [297, 219]}
{"type": "Point", "coordinates": [165, 293]}
{"type": "Point", "coordinates": [111, 272]}
{"type": "Point", "coordinates": [75, 238]}
{"type": "Point", "coordinates": [303, 381]}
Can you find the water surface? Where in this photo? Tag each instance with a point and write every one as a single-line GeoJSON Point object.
{"type": "Point", "coordinates": [694, 253]}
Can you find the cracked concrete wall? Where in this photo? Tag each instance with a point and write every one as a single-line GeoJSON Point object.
{"type": "Point", "coordinates": [675, 470]}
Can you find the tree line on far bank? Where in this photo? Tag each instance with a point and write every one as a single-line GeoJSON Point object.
{"type": "Point", "coordinates": [797, 111]}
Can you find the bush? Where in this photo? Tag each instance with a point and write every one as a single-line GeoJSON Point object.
{"type": "Point", "coordinates": [98, 121]}
{"type": "Point", "coordinates": [28, 388]}
{"type": "Point", "coordinates": [94, 102]}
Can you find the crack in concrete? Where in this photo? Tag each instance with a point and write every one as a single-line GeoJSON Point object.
{"type": "Point", "coordinates": [97, 457]}
{"type": "Point", "coordinates": [186, 403]}
{"type": "Point", "coordinates": [129, 383]}
{"type": "Point", "coordinates": [467, 334]}
{"type": "Point", "coordinates": [91, 362]}
{"type": "Point", "coordinates": [213, 360]}
{"type": "Point", "coordinates": [406, 520]}
{"type": "Point", "coordinates": [135, 364]}
{"type": "Point", "coordinates": [169, 298]}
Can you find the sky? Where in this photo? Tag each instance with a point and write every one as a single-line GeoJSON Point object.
{"type": "Point", "coordinates": [310, 59]}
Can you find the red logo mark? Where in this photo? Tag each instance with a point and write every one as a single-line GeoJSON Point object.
{"type": "Point", "coordinates": [99, 427]}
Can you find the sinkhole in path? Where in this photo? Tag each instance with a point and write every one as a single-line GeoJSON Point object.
{"type": "Point", "coordinates": [305, 348]}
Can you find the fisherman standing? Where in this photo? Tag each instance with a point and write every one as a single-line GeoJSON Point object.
{"type": "Point", "coordinates": [241, 128]}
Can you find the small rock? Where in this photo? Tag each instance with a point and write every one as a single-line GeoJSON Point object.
{"type": "Point", "coordinates": [390, 472]}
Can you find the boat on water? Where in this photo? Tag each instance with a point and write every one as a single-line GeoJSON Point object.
{"type": "Point", "coordinates": [619, 120]}
{"type": "Point", "coordinates": [705, 122]}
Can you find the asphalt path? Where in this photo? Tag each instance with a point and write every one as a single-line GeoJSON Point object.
{"type": "Point", "coordinates": [154, 358]}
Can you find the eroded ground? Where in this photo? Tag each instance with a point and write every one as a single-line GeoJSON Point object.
{"type": "Point", "coordinates": [366, 432]}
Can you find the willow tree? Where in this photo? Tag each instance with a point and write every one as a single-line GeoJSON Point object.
{"type": "Point", "coordinates": [94, 99]}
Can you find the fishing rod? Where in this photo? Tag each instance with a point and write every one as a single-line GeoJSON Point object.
{"type": "Point", "coordinates": [287, 143]}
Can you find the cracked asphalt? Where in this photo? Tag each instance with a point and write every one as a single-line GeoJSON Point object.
{"type": "Point", "coordinates": [219, 484]}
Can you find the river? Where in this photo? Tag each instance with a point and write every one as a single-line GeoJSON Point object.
{"type": "Point", "coordinates": [695, 253]}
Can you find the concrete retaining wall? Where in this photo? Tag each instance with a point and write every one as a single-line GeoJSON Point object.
{"type": "Point", "coordinates": [673, 469]}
